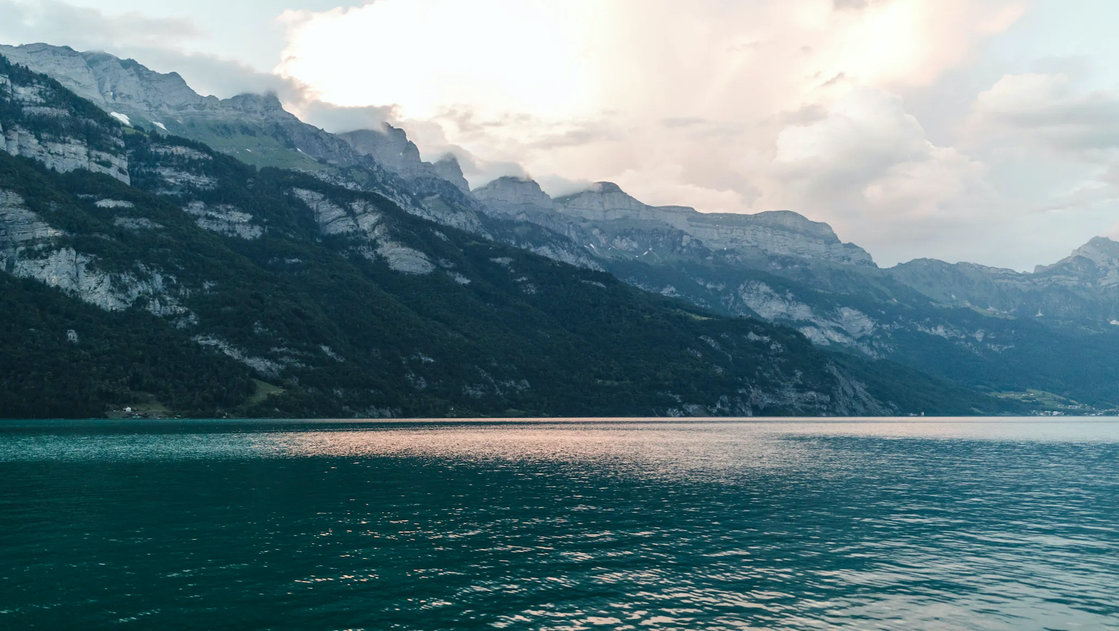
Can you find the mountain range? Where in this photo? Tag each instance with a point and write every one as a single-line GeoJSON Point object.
{"type": "Point", "coordinates": [340, 274]}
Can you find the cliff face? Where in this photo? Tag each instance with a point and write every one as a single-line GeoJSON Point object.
{"type": "Point", "coordinates": [109, 82]}
{"type": "Point", "coordinates": [41, 124]}
{"type": "Point", "coordinates": [617, 224]}
{"type": "Point", "coordinates": [255, 129]}
{"type": "Point", "coordinates": [31, 248]}
{"type": "Point", "coordinates": [508, 195]}
{"type": "Point", "coordinates": [1081, 289]}
{"type": "Point", "coordinates": [775, 233]}
{"type": "Point", "coordinates": [390, 147]}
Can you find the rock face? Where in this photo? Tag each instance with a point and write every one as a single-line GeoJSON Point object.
{"type": "Point", "coordinates": [30, 248]}
{"type": "Point", "coordinates": [449, 169]}
{"type": "Point", "coordinates": [20, 228]}
{"type": "Point", "coordinates": [618, 224]}
{"type": "Point", "coordinates": [45, 128]}
{"type": "Point", "coordinates": [107, 81]}
{"type": "Point", "coordinates": [224, 219]}
{"type": "Point", "coordinates": [1082, 288]}
{"type": "Point", "coordinates": [361, 220]}
{"type": "Point", "coordinates": [257, 130]}
{"type": "Point", "coordinates": [511, 195]}
{"type": "Point", "coordinates": [777, 233]}
{"type": "Point", "coordinates": [1094, 264]}
{"type": "Point", "coordinates": [390, 147]}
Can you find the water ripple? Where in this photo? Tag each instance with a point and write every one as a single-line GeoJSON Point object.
{"type": "Point", "coordinates": [996, 525]}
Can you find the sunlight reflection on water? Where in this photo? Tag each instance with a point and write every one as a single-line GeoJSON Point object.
{"type": "Point", "coordinates": [896, 524]}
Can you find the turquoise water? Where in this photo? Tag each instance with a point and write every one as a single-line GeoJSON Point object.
{"type": "Point", "coordinates": [932, 524]}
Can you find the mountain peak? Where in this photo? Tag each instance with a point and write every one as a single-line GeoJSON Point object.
{"type": "Point", "coordinates": [600, 197]}
{"type": "Point", "coordinates": [108, 81]}
{"type": "Point", "coordinates": [392, 149]}
{"type": "Point", "coordinates": [1101, 251]}
{"type": "Point", "coordinates": [256, 103]}
{"type": "Point", "coordinates": [606, 187]}
{"type": "Point", "coordinates": [1101, 244]}
{"type": "Point", "coordinates": [512, 189]}
{"type": "Point", "coordinates": [448, 168]}
{"type": "Point", "coordinates": [1095, 263]}
{"type": "Point", "coordinates": [36, 47]}
{"type": "Point", "coordinates": [796, 222]}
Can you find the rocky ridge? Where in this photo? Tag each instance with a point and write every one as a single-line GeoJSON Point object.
{"type": "Point", "coordinates": [41, 126]}
{"type": "Point", "coordinates": [390, 147]}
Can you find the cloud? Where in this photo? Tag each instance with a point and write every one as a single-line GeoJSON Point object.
{"type": "Point", "coordinates": [337, 119]}
{"type": "Point", "coordinates": [84, 28]}
{"type": "Point", "coordinates": [1046, 111]}
{"type": "Point", "coordinates": [916, 128]}
{"type": "Point", "coordinates": [735, 107]}
{"type": "Point", "coordinates": [869, 166]}
{"type": "Point", "coordinates": [1053, 145]}
{"type": "Point", "coordinates": [861, 136]}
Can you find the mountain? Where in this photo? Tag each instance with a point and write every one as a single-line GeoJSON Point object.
{"type": "Point", "coordinates": [778, 266]}
{"type": "Point", "coordinates": [615, 225]}
{"type": "Point", "coordinates": [1080, 290]}
{"type": "Point", "coordinates": [391, 148]}
{"type": "Point", "coordinates": [254, 128]}
{"type": "Point", "coordinates": [980, 326]}
{"type": "Point", "coordinates": [175, 279]}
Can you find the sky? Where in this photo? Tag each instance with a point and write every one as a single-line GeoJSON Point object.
{"type": "Point", "coordinates": [965, 130]}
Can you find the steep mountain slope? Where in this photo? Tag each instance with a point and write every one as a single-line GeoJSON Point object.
{"type": "Point", "coordinates": [257, 130]}
{"type": "Point", "coordinates": [615, 225]}
{"type": "Point", "coordinates": [1081, 290]}
{"type": "Point", "coordinates": [272, 292]}
{"type": "Point", "coordinates": [254, 128]}
{"type": "Point", "coordinates": [965, 322]}
{"type": "Point", "coordinates": [778, 265]}
{"type": "Point", "coordinates": [391, 148]}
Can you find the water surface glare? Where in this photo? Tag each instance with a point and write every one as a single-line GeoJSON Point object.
{"type": "Point", "coordinates": [578, 524]}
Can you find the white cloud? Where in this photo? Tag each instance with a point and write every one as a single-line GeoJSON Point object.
{"type": "Point", "coordinates": [88, 28]}
{"type": "Point", "coordinates": [736, 107]}
{"type": "Point", "coordinates": [868, 165]}
{"type": "Point", "coordinates": [1047, 111]}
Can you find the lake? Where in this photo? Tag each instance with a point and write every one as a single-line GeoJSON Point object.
{"type": "Point", "coordinates": [574, 524]}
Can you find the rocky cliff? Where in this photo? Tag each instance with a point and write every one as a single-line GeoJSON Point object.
{"type": "Point", "coordinates": [390, 147]}
{"type": "Point", "coordinates": [42, 122]}
{"type": "Point", "coordinates": [1081, 289]}
{"type": "Point", "coordinates": [254, 128]}
{"type": "Point", "coordinates": [613, 222]}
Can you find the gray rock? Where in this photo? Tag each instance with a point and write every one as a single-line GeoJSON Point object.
{"type": "Point", "coordinates": [1082, 288]}
{"type": "Point", "coordinates": [774, 233]}
{"type": "Point", "coordinates": [509, 195]}
{"type": "Point", "coordinates": [362, 221]}
{"type": "Point", "coordinates": [30, 104]}
{"type": "Point", "coordinates": [224, 219]}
